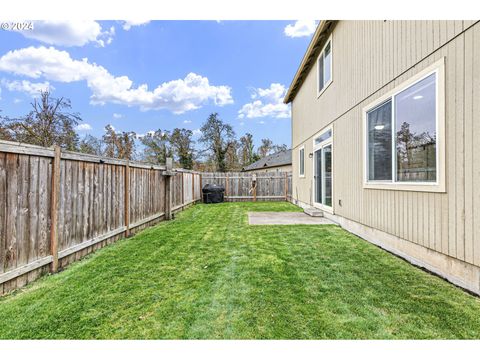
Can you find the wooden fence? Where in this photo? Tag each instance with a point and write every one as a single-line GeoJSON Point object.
{"type": "Point", "coordinates": [245, 186]}
{"type": "Point", "coordinates": [58, 206]}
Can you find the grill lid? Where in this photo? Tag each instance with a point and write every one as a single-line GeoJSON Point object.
{"type": "Point", "coordinates": [213, 188]}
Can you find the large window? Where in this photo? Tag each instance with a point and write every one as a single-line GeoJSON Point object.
{"type": "Point", "coordinates": [324, 67]}
{"type": "Point", "coordinates": [402, 134]}
{"type": "Point", "coordinates": [301, 159]}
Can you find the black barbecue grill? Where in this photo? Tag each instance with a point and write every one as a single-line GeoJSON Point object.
{"type": "Point", "coordinates": [213, 194]}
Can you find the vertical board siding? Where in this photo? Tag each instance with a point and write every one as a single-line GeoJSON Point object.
{"type": "Point", "coordinates": [473, 167]}
{"type": "Point", "coordinates": [91, 203]}
{"type": "Point", "coordinates": [391, 52]}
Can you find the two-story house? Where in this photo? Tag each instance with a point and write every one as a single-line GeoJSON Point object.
{"type": "Point", "coordinates": [386, 138]}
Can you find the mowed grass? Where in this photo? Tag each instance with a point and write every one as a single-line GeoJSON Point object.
{"type": "Point", "coordinates": [209, 275]}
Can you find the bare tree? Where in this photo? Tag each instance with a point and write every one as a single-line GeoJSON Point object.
{"type": "Point", "coordinates": [49, 123]}
{"type": "Point", "coordinates": [91, 145]}
{"type": "Point", "coordinates": [119, 145]}
{"type": "Point", "coordinates": [218, 137]}
{"type": "Point", "coordinates": [231, 157]}
{"type": "Point", "coordinates": [157, 146]}
{"type": "Point", "coordinates": [278, 148]}
{"type": "Point", "coordinates": [247, 150]}
{"type": "Point", "coordinates": [5, 133]}
{"type": "Point", "coordinates": [182, 146]}
{"type": "Point", "coordinates": [266, 148]}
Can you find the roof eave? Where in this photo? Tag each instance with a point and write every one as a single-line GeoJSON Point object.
{"type": "Point", "coordinates": [268, 167]}
{"type": "Point", "coordinates": [322, 32]}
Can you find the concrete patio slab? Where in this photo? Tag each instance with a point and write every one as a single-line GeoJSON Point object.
{"type": "Point", "coordinates": [285, 218]}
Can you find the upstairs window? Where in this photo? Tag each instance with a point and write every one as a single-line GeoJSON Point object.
{"type": "Point", "coordinates": [324, 67]}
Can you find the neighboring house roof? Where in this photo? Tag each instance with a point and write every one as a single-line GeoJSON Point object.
{"type": "Point", "coordinates": [280, 158]}
{"type": "Point", "coordinates": [319, 38]}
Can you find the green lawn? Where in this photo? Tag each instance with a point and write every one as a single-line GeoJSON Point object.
{"type": "Point", "coordinates": [209, 275]}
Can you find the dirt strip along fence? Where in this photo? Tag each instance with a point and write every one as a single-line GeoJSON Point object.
{"type": "Point", "coordinates": [57, 206]}
{"type": "Point", "coordinates": [245, 186]}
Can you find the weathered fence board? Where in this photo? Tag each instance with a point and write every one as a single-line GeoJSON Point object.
{"type": "Point", "coordinates": [96, 199]}
{"type": "Point", "coordinates": [239, 186]}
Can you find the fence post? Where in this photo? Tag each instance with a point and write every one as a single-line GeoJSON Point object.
{"type": "Point", "coordinates": [127, 199]}
{"type": "Point", "coordinates": [183, 188]}
{"type": "Point", "coordinates": [54, 208]}
{"type": "Point", "coordinates": [168, 188]}
{"type": "Point", "coordinates": [286, 187]}
{"type": "Point", "coordinates": [193, 186]}
{"type": "Point", "coordinates": [200, 179]}
{"type": "Point", "coordinates": [226, 188]}
{"type": "Point", "coordinates": [254, 184]}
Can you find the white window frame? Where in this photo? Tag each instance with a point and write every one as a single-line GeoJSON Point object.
{"type": "Point", "coordinates": [321, 91]}
{"type": "Point", "coordinates": [437, 68]}
{"type": "Point", "coordinates": [326, 142]}
{"type": "Point", "coordinates": [300, 160]}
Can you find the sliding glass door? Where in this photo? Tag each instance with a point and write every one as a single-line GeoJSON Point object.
{"type": "Point", "coordinates": [322, 164]}
{"type": "Point", "coordinates": [327, 175]}
{"type": "Point", "coordinates": [318, 176]}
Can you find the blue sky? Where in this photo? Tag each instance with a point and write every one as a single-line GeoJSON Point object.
{"type": "Point", "coordinates": [145, 76]}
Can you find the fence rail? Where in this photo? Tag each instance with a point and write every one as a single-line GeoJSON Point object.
{"type": "Point", "coordinates": [267, 186]}
{"type": "Point", "coordinates": [58, 206]}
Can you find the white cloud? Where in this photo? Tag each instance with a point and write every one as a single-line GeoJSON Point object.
{"type": "Point", "coordinates": [197, 132]}
{"type": "Point", "coordinates": [178, 96]}
{"type": "Point", "coordinates": [107, 37]}
{"type": "Point", "coordinates": [69, 33]}
{"type": "Point", "coordinates": [117, 116]}
{"type": "Point", "coordinates": [187, 121]}
{"type": "Point", "coordinates": [25, 86]}
{"type": "Point", "coordinates": [261, 122]}
{"type": "Point", "coordinates": [300, 28]}
{"type": "Point", "coordinates": [83, 127]}
{"type": "Point", "coordinates": [17, 101]}
{"type": "Point", "coordinates": [128, 24]}
{"type": "Point", "coordinates": [266, 103]}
